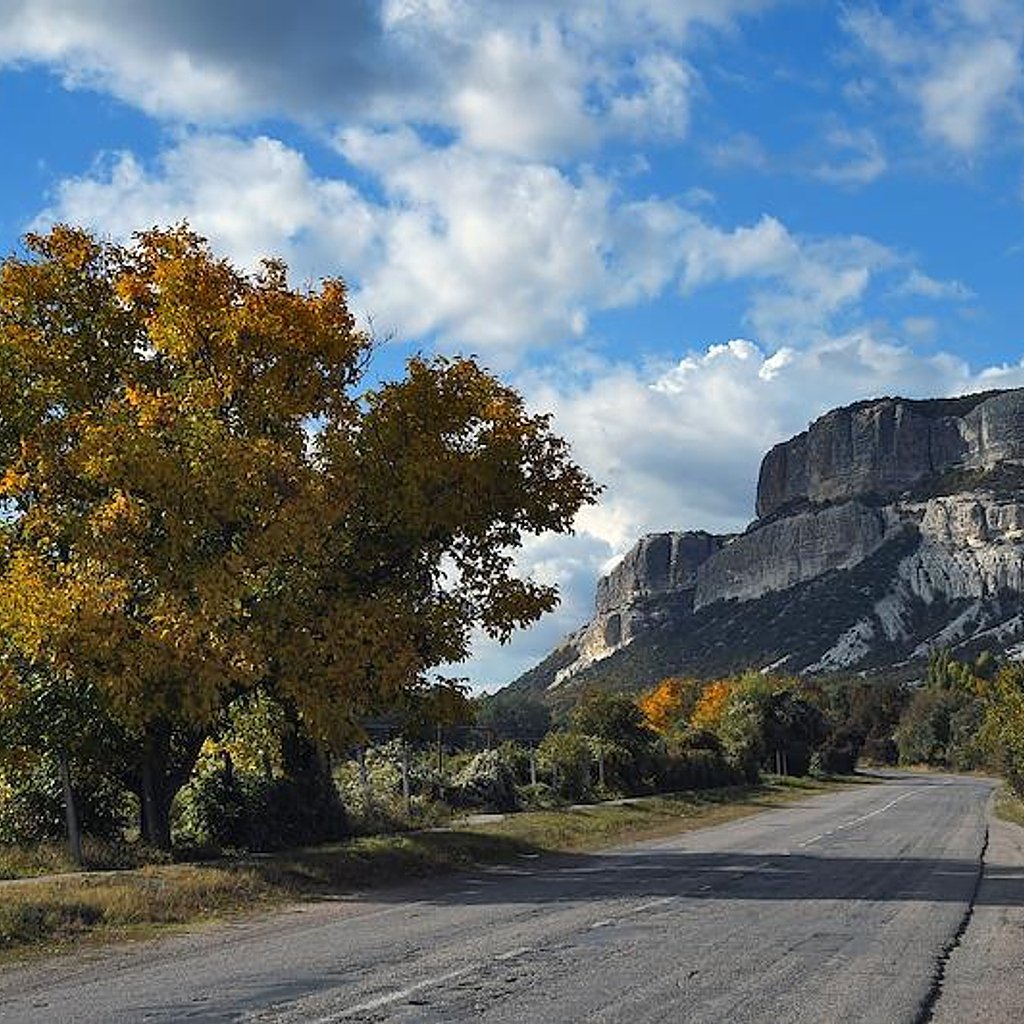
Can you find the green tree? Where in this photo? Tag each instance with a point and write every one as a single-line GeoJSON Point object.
{"type": "Point", "coordinates": [621, 742]}
{"type": "Point", "coordinates": [1002, 733]}
{"type": "Point", "coordinates": [766, 716]}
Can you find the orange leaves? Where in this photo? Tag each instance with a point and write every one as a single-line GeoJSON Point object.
{"type": "Point", "coordinates": [663, 707]}
{"type": "Point", "coordinates": [712, 704]}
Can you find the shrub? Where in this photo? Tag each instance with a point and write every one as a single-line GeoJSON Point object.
{"type": "Point", "coordinates": [487, 782]}
{"type": "Point", "coordinates": [224, 808]}
{"type": "Point", "coordinates": [839, 753]}
{"type": "Point", "coordinates": [32, 802]}
{"type": "Point", "coordinates": [565, 758]}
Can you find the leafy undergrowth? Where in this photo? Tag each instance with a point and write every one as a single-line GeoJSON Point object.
{"type": "Point", "coordinates": [51, 912]}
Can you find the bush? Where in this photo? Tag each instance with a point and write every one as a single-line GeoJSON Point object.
{"type": "Point", "coordinates": [540, 797]}
{"type": "Point", "coordinates": [487, 782]}
{"type": "Point", "coordinates": [880, 750]}
{"type": "Point", "coordinates": [32, 802]}
{"type": "Point", "coordinates": [565, 758]}
{"type": "Point", "coordinates": [839, 753]}
{"type": "Point", "coordinates": [223, 808]}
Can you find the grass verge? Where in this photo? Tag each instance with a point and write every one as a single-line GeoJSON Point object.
{"type": "Point", "coordinates": [49, 913]}
{"type": "Point", "coordinates": [1009, 806]}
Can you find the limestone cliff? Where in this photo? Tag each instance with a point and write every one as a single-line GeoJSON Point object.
{"type": "Point", "coordinates": [891, 445]}
{"type": "Point", "coordinates": [886, 529]}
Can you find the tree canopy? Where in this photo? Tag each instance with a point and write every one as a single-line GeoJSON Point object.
{"type": "Point", "coordinates": [200, 497]}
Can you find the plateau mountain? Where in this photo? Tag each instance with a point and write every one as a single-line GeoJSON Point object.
{"type": "Point", "coordinates": [888, 528]}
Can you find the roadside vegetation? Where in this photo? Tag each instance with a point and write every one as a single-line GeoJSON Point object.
{"type": "Point", "coordinates": [50, 913]}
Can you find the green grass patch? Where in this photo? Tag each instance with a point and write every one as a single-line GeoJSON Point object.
{"type": "Point", "coordinates": [51, 912]}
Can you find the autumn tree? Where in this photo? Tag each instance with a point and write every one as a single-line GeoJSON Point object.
{"type": "Point", "coordinates": [666, 705]}
{"type": "Point", "coordinates": [712, 703]}
{"type": "Point", "coordinates": [200, 499]}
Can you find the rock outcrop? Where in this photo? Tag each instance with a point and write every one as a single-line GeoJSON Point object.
{"type": "Point", "coordinates": [659, 566]}
{"type": "Point", "coordinates": [889, 446]}
{"type": "Point", "coordinates": [886, 529]}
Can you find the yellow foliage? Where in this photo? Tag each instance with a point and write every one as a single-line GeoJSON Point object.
{"type": "Point", "coordinates": [662, 706]}
{"type": "Point", "coordinates": [712, 703]}
{"type": "Point", "coordinates": [174, 536]}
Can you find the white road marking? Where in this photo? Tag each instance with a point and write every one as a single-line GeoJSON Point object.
{"type": "Point", "coordinates": [396, 997]}
{"type": "Point", "coordinates": [653, 903]}
{"type": "Point", "coordinates": [857, 821]}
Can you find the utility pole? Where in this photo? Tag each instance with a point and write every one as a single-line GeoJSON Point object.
{"type": "Point", "coordinates": [364, 775]}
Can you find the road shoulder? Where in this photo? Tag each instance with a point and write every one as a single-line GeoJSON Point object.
{"type": "Point", "coordinates": [982, 981]}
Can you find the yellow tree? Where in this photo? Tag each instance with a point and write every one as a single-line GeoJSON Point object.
{"type": "Point", "coordinates": [664, 706]}
{"type": "Point", "coordinates": [712, 703]}
{"type": "Point", "coordinates": [198, 501]}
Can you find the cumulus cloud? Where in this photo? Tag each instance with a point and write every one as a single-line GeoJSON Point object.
{"type": "Point", "coordinates": [202, 61]}
{"type": "Point", "coordinates": [253, 198]}
{"type": "Point", "coordinates": [478, 251]}
{"type": "Point", "coordinates": [959, 64]}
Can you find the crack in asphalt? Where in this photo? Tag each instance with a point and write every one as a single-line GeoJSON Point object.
{"type": "Point", "coordinates": [926, 1012]}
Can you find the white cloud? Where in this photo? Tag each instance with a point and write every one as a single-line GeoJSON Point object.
{"type": "Point", "coordinates": [959, 64]}
{"type": "Point", "coordinates": [960, 101]}
{"type": "Point", "coordinates": [252, 198]}
{"type": "Point", "coordinates": [523, 97]}
{"type": "Point", "coordinates": [741, 151]}
{"type": "Point", "coordinates": [540, 80]}
{"type": "Point", "coordinates": [482, 252]}
{"type": "Point", "coordinates": [658, 102]}
{"type": "Point", "coordinates": [918, 283]}
{"type": "Point", "coordinates": [811, 281]}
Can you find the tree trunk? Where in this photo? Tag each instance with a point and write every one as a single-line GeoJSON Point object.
{"type": "Point", "coordinates": [71, 813]}
{"type": "Point", "coordinates": [164, 768]}
{"type": "Point", "coordinates": [155, 802]}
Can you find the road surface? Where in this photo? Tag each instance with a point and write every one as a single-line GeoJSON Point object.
{"type": "Point", "coordinates": [854, 906]}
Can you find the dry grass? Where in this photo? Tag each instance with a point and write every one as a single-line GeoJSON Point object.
{"type": "Point", "coordinates": [590, 828]}
{"type": "Point", "coordinates": [50, 912]}
{"type": "Point", "coordinates": [1010, 806]}
{"type": "Point", "coordinates": [32, 859]}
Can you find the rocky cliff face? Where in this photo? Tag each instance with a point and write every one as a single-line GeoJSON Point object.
{"type": "Point", "coordinates": [889, 446]}
{"type": "Point", "coordinates": [660, 571]}
{"type": "Point", "coordinates": [886, 529]}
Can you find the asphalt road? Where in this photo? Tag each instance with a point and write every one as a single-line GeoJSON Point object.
{"type": "Point", "coordinates": [851, 907]}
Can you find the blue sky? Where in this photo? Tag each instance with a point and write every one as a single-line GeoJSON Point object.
{"type": "Point", "coordinates": [685, 227]}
